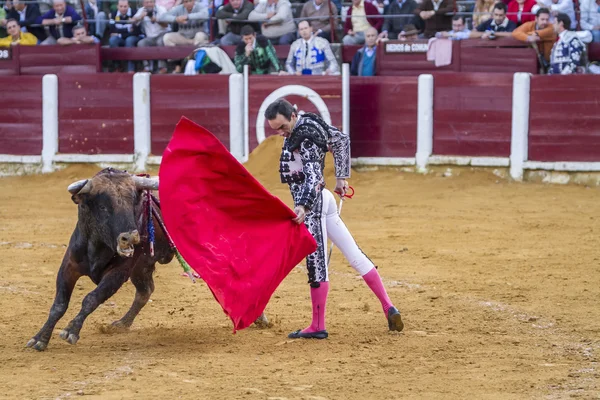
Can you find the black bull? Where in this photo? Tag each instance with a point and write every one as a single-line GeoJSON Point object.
{"type": "Point", "coordinates": [110, 245]}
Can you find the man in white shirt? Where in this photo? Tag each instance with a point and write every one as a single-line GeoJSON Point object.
{"type": "Point", "coordinates": [590, 17]}
{"type": "Point", "coordinates": [153, 31]}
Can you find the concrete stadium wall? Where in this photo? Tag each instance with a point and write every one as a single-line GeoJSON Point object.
{"type": "Point", "coordinates": [516, 121]}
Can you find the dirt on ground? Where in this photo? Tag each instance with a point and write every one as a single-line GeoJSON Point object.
{"type": "Point", "coordinates": [498, 283]}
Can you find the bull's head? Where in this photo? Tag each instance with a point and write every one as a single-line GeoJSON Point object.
{"type": "Point", "coordinates": [109, 208]}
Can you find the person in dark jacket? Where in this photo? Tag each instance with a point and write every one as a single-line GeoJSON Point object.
{"type": "Point", "coordinates": [27, 14]}
{"type": "Point", "coordinates": [124, 31]}
{"type": "Point", "coordinates": [236, 10]}
{"type": "Point", "coordinates": [395, 21]}
{"type": "Point", "coordinates": [436, 16]}
{"type": "Point", "coordinates": [363, 62]}
{"type": "Point", "coordinates": [497, 26]}
{"type": "Point", "coordinates": [61, 20]}
{"type": "Point", "coordinates": [257, 52]}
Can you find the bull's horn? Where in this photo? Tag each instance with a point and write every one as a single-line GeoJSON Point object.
{"type": "Point", "coordinates": [80, 187]}
{"type": "Point", "coordinates": [145, 183]}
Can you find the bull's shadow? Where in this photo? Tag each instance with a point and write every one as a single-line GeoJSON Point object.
{"type": "Point", "coordinates": [110, 244]}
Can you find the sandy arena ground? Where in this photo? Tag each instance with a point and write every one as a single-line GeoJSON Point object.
{"type": "Point", "coordinates": [498, 283]}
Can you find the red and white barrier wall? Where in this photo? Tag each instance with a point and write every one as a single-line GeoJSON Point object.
{"type": "Point", "coordinates": [519, 121]}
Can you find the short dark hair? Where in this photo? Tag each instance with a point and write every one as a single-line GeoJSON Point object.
{"type": "Point", "coordinates": [281, 106]}
{"type": "Point", "coordinates": [303, 20]}
{"type": "Point", "coordinates": [247, 30]}
{"type": "Point", "coordinates": [564, 18]}
{"type": "Point", "coordinates": [501, 6]}
{"type": "Point", "coordinates": [12, 20]}
{"type": "Point", "coordinates": [541, 11]}
{"type": "Point", "coordinates": [78, 27]}
{"type": "Point", "coordinates": [457, 17]}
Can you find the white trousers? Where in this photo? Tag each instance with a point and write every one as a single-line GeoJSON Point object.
{"type": "Point", "coordinates": [324, 223]}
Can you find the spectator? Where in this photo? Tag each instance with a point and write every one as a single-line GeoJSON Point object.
{"type": "Point", "coordinates": [190, 18]}
{"type": "Point", "coordinates": [568, 51]}
{"type": "Point", "coordinates": [153, 31]}
{"type": "Point", "coordinates": [392, 26]}
{"type": "Point", "coordinates": [483, 11]}
{"type": "Point", "coordinates": [410, 32]}
{"type": "Point", "coordinates": [459, 30]}
{"type": "Point", "coordinates": [93, 11]}
{"type": "Point", "coordinates": [556, 7]}
{"type": "Point", "coordinates": [278, 25]}
{"type": "Point", "coordinates": [310, 54]}
{"type": "Point", "coordinates": [16, 37]}
{"type": "Point", "coordinates": [319, 8]}
{"type": "Point", "coordinates": [436, 15]}
{"type": "Point", "coordinates": [364, 61]}
{"type": "Point", "coordinates": [257, 52]}
{"type": "Point", "coordinates": [168, 4]}
{"type": "Point", "coordinates": [2, 22]}
{"type": "Point", "coordinates": [358, 19]}
{"type": "Point", "coordinates": [232, 14]}
{"type": "Point", "coordinates": [590, 17]}
{"type": "Point", "coordinates": [124, 30]}
{"type": "Point", "coordinates": [538, 31]}
{"type": "Point", "coordinates": [61, 20]}
{"type": "Point", "coordinates": [27, 14]}
{"type": "Point", "coordinates": [498, 26]}
{"type": "Point", "coordinates": [520, 11]}
{"type": "Point", "coordinates": [80, 36]}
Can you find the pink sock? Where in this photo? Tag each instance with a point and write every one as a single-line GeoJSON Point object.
{"type": "Point", "coordinates": [374, 281]}
{"type": "Point", "coordinates": [319, 299]}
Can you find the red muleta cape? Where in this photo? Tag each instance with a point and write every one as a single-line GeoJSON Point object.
{"type": "Point", "coordinates": [226, 225]}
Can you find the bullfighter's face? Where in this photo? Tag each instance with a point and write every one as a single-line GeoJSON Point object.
{"type": "Point", "coordinates": [282, 125]}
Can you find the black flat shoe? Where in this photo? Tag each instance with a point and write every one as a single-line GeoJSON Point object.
{"type": "Point", "coordinates": [394, 320]}
{"type": "Point", "coordinates": [308, 335]}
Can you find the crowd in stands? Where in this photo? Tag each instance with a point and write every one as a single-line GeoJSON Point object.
{"type": "Point", "coordinates": [309, 27]}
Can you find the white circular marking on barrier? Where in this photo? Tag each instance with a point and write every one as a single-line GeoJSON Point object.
{"type": "Point", "coordinates": [289, 90]}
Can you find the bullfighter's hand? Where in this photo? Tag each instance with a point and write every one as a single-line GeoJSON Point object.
{"type": "Point", "coordinates": [300, 214]}
{"type": "Point", "coordinates": [341, 187]}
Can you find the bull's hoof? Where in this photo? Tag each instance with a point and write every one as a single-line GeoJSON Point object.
{"type": "Point", "coordinates": [71, 338]}
{"type": "Point", "coordinates": [37, 344]}
{"type": "Point", "coordinates": [262, 322]}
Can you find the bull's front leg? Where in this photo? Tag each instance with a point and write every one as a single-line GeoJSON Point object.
{"type": "Point", "coordinates": [110, 283]}
{"type": "Point", "coordinates": [67, 277]}
{"type": "Point", "coordinates": [141, 277]}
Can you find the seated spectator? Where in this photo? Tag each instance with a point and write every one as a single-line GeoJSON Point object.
{"type": "Point", "coordinates": [358, 20]}
{"type": "Point", "coordinates": [520, 11]}
{"type": "Point", "coordinates": [319, 8]}
{"type": "Point", "coordinates": [208, 59]}
{"type": "Point", "coordinates": [410, 32]}
{"type": "Point", "coordinates": [393, 25]}
{"type": "Point", "coordinates": [124, 31]}
{"type": "Point", "coordinates": [257, 52]}
{"type": "Point", "coordinates": [556, 7]}
{"type": "Point", "coordinates": [278, 25]}
{"type": "Point", "coordinates": [80, 36]}
{"type": "Point", "coordinates": [364, 61]}
{"type": "Point", "coordinates": [310, 54]}
{"type": "Point", "coordinates": [168, 4]}
{"type": "Point", "coordinates": [483, 11]}
{"type": "Point", "coordinates": [498, 26]}
{"type": "Point", "coordinates": [538, 32]}
{"type": "Point", "coordinates": [93, 11]}
{"type": "Point", "coordinates": [153, 31]}
{"type": "Point", "coordinates": [16, 37]}
{"type": "Point", "coordinates": [567, 53]}
{"type": "Point", "coordinates": [232, 14]}
{"type": "Point", "coordinates": [61, 20]}
{"type": "Point", "coordinates": [27, 14]}
{"type": "Point", "coordinates": [436, 17]}
{"type": "Point", "coordinates": [2, 22]}
{"type": "Point", "coordinates": [459, 30]}
{"type": "Point", "coordinates": [590, 17]}
{"type": "Point", "coordinates": [190, 18]}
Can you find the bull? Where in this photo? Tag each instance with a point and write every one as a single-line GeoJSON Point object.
{"type": "Point", "coordinates": [109, 245]}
